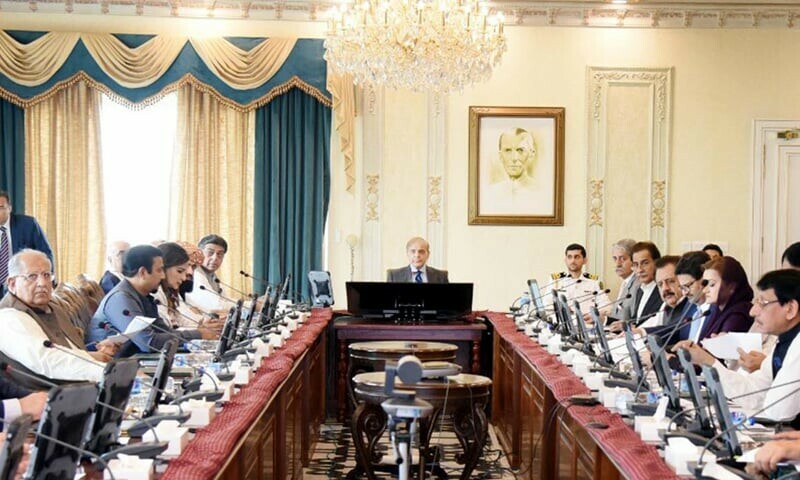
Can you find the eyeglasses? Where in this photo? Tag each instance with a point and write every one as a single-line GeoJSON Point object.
{"type": "Point", "coordinates": [688, 286]}
{"type": "Point", "coordinates": [763, 303]}
{"type": "Point", "coordinates": [34, 277]}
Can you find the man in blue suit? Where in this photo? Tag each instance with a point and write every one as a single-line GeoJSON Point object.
{"type": "Point", "coordinates": [18, 232]}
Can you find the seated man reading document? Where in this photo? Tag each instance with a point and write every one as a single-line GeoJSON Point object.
{"type": "Point", "coordinates": [143, 268]}
{"type": "Point", "coordinates": [776, 308]}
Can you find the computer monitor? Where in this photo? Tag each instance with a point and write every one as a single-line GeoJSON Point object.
{"type": "Point", "coordinates": [536, 299]}
{"type": "Point", "coordinates": [600, 334]}
{"type": "Point", "coordinates": [161, 376]}
{"type": "Point", "coordinates": [115, 390]}
{"type": "Point", "coordinates": [720, 405]}
{"type": "Point", "coordinates": [583, 329]}
{"type": "Point", "coordinates": [702, 421]}
{"type": "Point", "coordinates": [663, 372]}
{"type": "Point", "coordinates": [567, 326]}
{"type": "Point", "coordinates": [636, 361]}
{"type": "Point", "coordinates": [228, 334]}
{"type": "Point", "coordinates": [409, 301]}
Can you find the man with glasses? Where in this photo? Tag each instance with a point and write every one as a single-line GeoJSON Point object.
{"type": "Point", "coordinates": [776, 309]}
{"type": "Point", "coordinates": [29, 319]}
{"type": "Point", "coordinates": [114, 253]}
{"type": "Point", "coordinates": [18, 232]}
{"type": "Point", "coordinates": [689, 272]}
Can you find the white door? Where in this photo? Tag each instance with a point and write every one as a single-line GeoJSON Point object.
{"type": "Point", "coordinates": [776, 196]}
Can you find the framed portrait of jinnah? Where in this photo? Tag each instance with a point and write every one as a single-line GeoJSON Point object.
{"type": "Point", "coordinates": [516, 165]}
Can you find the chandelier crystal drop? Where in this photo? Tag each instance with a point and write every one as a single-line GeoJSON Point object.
{"type": "Point", "coordinates": [437, 46]}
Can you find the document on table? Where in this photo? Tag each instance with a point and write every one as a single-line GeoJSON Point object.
{"type": "Point", "coordinates": [725, 346]}
{"type": "Point", "coordinates": [138, 324]}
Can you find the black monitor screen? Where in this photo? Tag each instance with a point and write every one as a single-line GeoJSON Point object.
{"type": "Point", "coordinates": [386, 300]}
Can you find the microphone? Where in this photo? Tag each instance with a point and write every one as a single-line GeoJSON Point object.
{"type": "Point", "coordinates": [591, 294]}
{"type": "Point", "coordinates": [673, 329]}
{"type": "Point", "coordinates": [223, 297]}
{"type": "Point", "coordinates": [231, 287]}
{"type": "Point", "coordinates": [49, 344]}
{"type": "Point", "coordinates": [257, 279]}
{"type": "Point", "coordinates": [614, 302]}
{"type": "Point", "coordinates": [66, 445]}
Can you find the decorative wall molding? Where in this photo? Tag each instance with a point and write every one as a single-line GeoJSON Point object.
{"type": "Point", "coordinates": [576, 13]}
{"type": "Point", "coordinates": [658, 204]}
{"type": "Point", "coordinates": [437, 155]}
{"type": "Point", "coordinates": [435, 199]}
{"type": "Point", "coordinates": [596, 203]}
{"type": "Point", "coordinates": [371, 109]}
{"type": "Point", "coordinates": [373, 204]}
{"type": "Point", "coordinates": [659, 100]}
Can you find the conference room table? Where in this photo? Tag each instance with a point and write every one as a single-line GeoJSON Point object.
{"type": "Point", "coordinates": [545, 436]}
{"type": "Point", "coordinates": [269, 428]}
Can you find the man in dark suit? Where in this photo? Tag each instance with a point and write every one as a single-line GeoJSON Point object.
{"type": "Point", "coordinates": [417, 271]}
{"type": "Point", "coordinates": [647, 300]}
{"type": "Point", "coordinates": [18, 232]}
{"type": "Point", "coordinates": [16, 401]}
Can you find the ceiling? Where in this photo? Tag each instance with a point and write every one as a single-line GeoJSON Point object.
{"type": "Point", "coordinates": [578, 13]}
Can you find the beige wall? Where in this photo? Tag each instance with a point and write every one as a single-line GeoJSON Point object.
{"type": "Point", "coordinates": [723, 80]}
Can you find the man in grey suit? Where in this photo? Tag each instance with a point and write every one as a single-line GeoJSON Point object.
{"type": "Point", "coordinates": [417, 271]}
{"type": "Point", "coordinates": [622, 254]}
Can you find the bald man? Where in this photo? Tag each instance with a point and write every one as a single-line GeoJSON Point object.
{"type": "Point", "coordinates": [114, 253]}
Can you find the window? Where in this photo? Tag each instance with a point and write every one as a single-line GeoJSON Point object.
{"type": "Point", "coordinates": [137, 149]}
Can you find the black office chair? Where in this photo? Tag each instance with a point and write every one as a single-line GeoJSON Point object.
{"type": "Point", "coordinates": [321, 288]}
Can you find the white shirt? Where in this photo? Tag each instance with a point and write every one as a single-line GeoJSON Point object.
{"type": "Point", "coordinates": [181, 317]}
{"type": "Point", "coordinates": [578, 290]}
{"type": "Point", "coordinates": [22, 341]}
{"type": "Point", "coordinates": [647, 290]}
{"type": "Point", "coordinates": [206, 300]}
{"type": "Point", "coordinates": [739, 383]}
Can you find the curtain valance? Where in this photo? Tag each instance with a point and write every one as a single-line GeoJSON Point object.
{"type": "Point", "coordinates": [137, 70]}
{"type": "Point", "coordinates": [243, 73]}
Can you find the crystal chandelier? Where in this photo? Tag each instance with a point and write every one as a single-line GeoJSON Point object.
{"type": "Point", "coordinates": [421, 45]}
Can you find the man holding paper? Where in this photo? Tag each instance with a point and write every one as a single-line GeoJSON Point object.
{"type": "Point", "coordinates": [30, 320]}
{"type": "Point", "coordinates": [776, 309]}
{"type": "Point", "coordinates": [130, 303]}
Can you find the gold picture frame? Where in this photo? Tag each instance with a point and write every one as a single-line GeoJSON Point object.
{"type": "Point", "coordinates": [516, 165]}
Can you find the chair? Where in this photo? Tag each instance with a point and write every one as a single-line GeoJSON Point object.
{"type": "Point", "coordinates": [321, 288]}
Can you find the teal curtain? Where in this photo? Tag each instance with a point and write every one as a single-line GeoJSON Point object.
{"type": "Point", "coordinates": [292, 188]}
{"type": "Point", "coordinates": [12, 153]}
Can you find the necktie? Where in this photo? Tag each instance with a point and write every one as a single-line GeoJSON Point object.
{"type": "Point", "coordinates": [5, 255]}
{"type": "Point", "coordinates": [418, 277]}
{"type": "Point", "coordinates": [777, 363]}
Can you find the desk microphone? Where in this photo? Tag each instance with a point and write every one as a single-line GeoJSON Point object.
{"type": "Point", "coordinates": [223, 297]}
{"type": "Point", "coordinates": [85, 453]}
{"type": "Point", "coordinates": [231, 287]}
{"type": "Point", "coordinates": [673, 328]}
{"type": "Point", "coordinates": [257, 279]}
{"type": "Point", "coordinates": [49, 344]}
{"type": "Point", "coordinates": [614, 302]}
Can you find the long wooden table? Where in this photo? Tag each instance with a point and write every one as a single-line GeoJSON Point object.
{"type": "Point", "coordinates": [546, 437]}
{"type": "Point", "coordinates": [269, 429]}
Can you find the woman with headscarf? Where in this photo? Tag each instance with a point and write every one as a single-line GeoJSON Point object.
{"type": "Point", "coordinates": [727, 289]}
